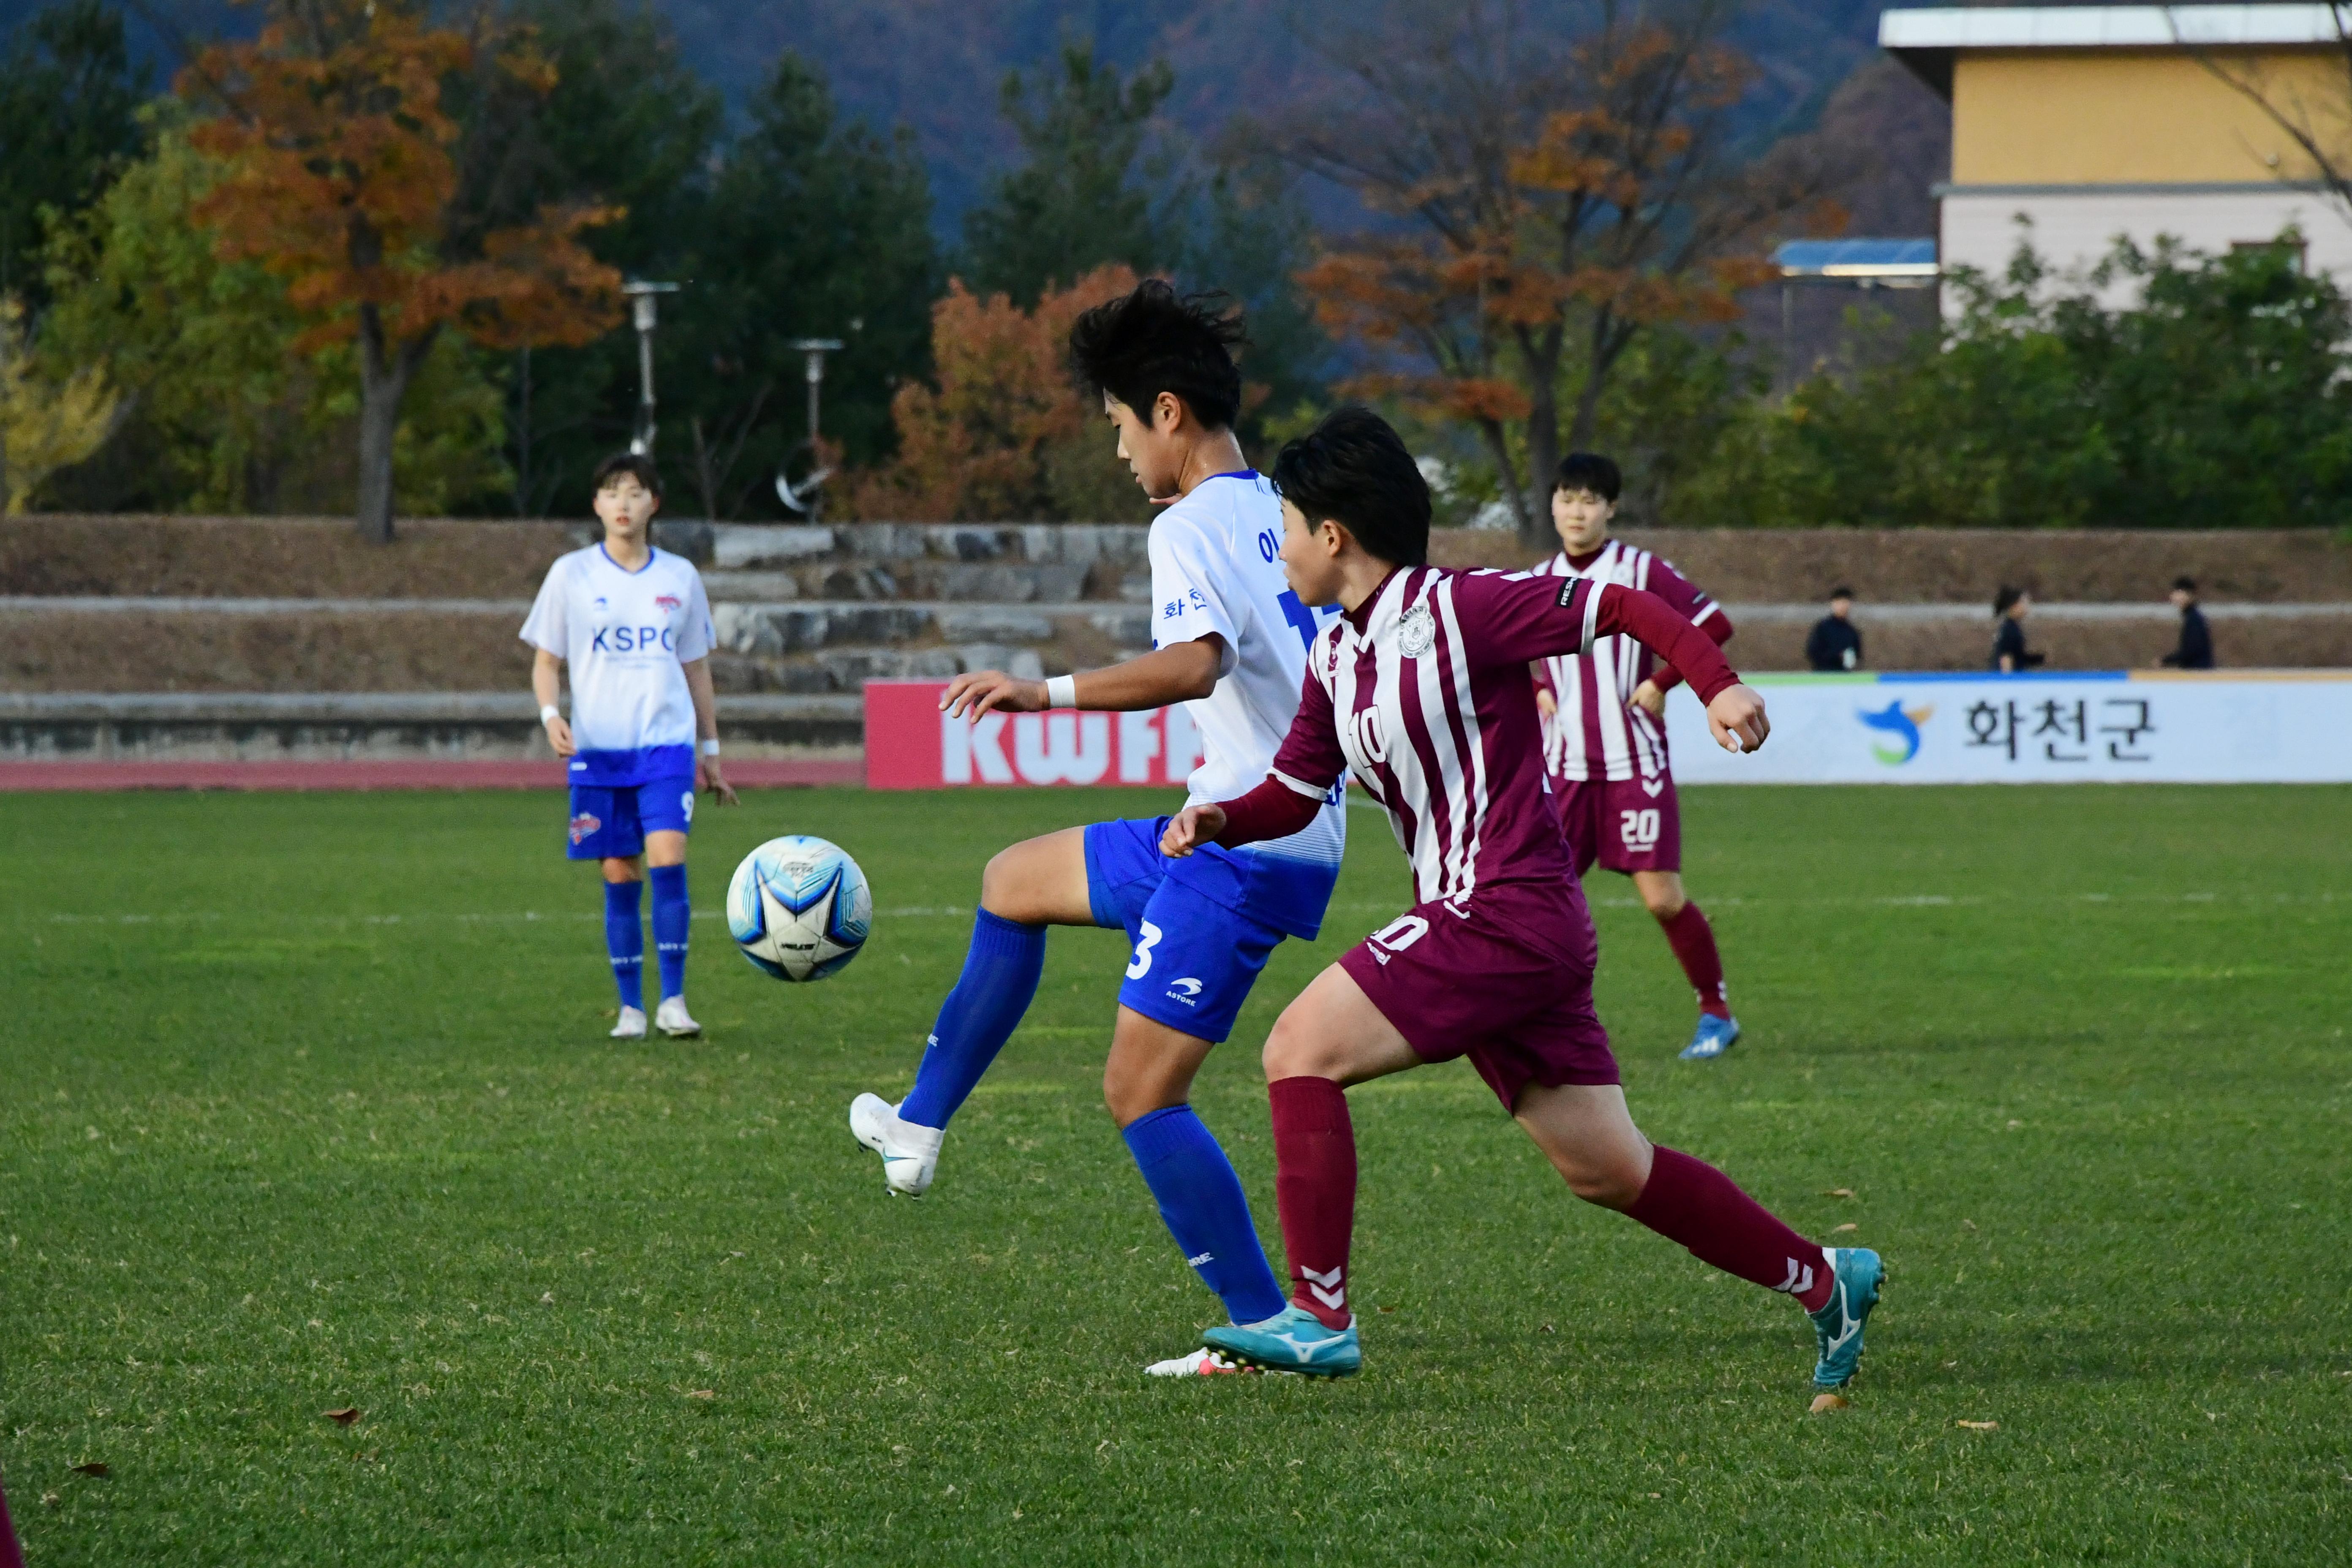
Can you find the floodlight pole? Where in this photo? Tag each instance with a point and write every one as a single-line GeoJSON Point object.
{"type": "Point", "coordinates": [816, 349]}
{"type": "Point", "coordinates": [642, 299]}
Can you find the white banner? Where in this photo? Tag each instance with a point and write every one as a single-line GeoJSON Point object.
{"type": "Point", "coordinates": [2092, 727]}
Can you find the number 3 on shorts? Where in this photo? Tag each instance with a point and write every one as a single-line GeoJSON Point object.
{"type": "Point", "coordinates": [1638, 830]}
{"type": "Point", "coordinates": [1142, 965]}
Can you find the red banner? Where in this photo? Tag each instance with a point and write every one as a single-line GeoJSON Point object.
{"type": "Point", "coordinates": [911, 744]}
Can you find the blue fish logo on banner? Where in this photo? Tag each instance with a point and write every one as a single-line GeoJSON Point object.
{"type": "Point", "coordinates": [1897, 720]}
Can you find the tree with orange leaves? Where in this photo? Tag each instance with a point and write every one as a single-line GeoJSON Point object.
{"type": "Point", "coordinates": [387, 210]}
{"type": "Point", "coordinates": [986, 443]}
{"type": "Point", "coordinates": [1557, 199]}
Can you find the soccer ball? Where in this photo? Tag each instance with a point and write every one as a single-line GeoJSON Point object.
{"type": "Point", "coordinates": [798, 907]}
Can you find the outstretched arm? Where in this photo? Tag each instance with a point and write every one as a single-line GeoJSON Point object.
{"type": "Point", "coordinates": [1181, 672]}
{"type": "Point", "coordinates": [1718, 629]}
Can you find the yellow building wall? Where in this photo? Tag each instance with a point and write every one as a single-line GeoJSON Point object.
{"type": "Point", "coordinates": [2046, 117]}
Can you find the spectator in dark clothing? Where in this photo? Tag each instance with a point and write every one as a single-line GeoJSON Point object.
{"type": "Point", "coordinates": [1836, 645]}
{"type": "Point", "coordinates": [2009, 654]}
{"type": "Point", "coordinates": [2196, 649]}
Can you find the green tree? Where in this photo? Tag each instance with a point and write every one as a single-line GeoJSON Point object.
{"type": "Point", "coordinates": [628, 124]}
{"type": "Point", "coordinates": [225, 412]}
{"type": "Point", "coordinates": [1077, 202]}
{"type": "Point", "coordinates": [819, 227]}
{"type": "Point", "coordinates": [69, 119]}
{"type": "Point", "coordinates": [2221, 398]}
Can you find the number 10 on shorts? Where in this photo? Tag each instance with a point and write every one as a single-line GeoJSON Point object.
{"type": "Point", "coordinates": [1638, 830]}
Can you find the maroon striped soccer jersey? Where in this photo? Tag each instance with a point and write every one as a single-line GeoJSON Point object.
{"type": "Point", "coordinates": [1597, 733]}
{"type": "Point", "coordinates": [1423, 692]}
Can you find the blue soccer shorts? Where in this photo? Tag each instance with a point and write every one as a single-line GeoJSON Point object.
{"type": "Point", "coordinates": [614, 821]}
{"type": "Point", "coordinates": [1194, 958]}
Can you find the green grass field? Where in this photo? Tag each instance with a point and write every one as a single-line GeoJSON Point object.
{"type": "Point", "coordinates": [306, 1103]}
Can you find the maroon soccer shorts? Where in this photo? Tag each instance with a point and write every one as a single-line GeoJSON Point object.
{"type": "Point", "coordinates": [1619, 823]}
{"type": "Point", "coordinates": [1510, 985]}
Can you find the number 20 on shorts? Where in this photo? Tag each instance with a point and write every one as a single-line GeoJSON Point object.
{"type": "Point", "coordinates": [1638, 830]}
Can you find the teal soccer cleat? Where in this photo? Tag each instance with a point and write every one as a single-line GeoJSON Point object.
{"type": "Point", "coordinates": [1856, 1274]}
{"type": "Point", "coordinates": [1713, 1037]}
{"type": "Point", "coordinates": [1293, 1340]}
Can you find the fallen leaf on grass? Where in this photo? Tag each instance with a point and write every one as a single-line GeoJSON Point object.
{"type": "Point", "coordinates": [1967, 1225]}
{"type": "Point", "coordinates": [51, 1500]}
{"type": "Point", "coordinates": [700, 1394]}
{"type": "Point", "coordinates": [547, 1298]}
{"type": "Point", "coordinates": [1547, 1327]}
{"type": "Point", "coordinates": [92, 1468]}
{"type": "Point", "coordinates": [343, 1417]}
{"type": "Point", "coordinates": [1387, 1308]}
{"type": "Point", "coordinates": [1842, 1229]}
{"type": "Point", "coordinates": [1839, 1192]}
{"type": "Point", "coordinates": [1824, 1402]}
{"type": "Point", "coordinates": [1981, 1426]}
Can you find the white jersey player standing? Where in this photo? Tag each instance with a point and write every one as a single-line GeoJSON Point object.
{"type": "Point", "coordinates": [1229, 640]}
{"type": "Point", "coordinates": [633, 624]}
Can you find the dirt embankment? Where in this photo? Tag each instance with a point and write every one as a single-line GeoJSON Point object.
{"type": "Point", "coordinates": [128, 650]}
{"type": "Point", "coordinates": [274, 558]}
{"type": "Point", "coordinates": [1929, 566]}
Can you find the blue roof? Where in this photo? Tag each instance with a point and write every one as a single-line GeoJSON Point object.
{"type": "Point", "coordinates": [1856, 258]}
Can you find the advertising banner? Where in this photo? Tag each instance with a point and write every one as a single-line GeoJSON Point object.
{"type": "Point", "coordinates": [2089, 728]}
{"type": "Point", "coordinates": [911, 744]}
{"type": "Point", "coordinates": [2284, 727]}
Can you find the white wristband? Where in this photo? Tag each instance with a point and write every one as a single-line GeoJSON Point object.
{"type": "Point", "coordinates": [550, 712]}
{"type": "Point", "coordinates": [711, 747]}
{"type": "Point", "coordinates": [1062, 691]}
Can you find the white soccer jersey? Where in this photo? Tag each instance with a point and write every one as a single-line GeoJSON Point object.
{"type": "Point", "coordinates": [1216, 567]}
{"type": "Point", "coordinates": [626, 637]}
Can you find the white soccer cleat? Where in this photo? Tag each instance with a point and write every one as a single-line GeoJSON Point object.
{"type": "Point", "coordinates": [1202, 1362]}
{"type": "Point", "coordinates": [632, 1025]}
{"type": "Point", "coordinates": [909, 1153]}
{"type": "Point", "coordinates": [671, 1019]}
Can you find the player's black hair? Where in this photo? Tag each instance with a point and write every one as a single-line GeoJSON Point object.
{"type": "Point", "coordinates": [634, 464]}
{"type": "Point", "coordinates": [1588, 471]}
{"type": "Point", "coordinates": [1154, 341]}
{"type": "Point", "coordinates": [1354, 470]}
{"type": "Point", "coordinates": [1840, 592]}
{"type": "Point", "coordinates": [2004, 599]}
{"type": "Point", "coordinates": [2185, 585]}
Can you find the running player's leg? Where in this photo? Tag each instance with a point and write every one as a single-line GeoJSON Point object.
{"type": "Point", "coordinates": [1330, 1036]}
{"type": "Point", "coordinates": [1026, 887]}
{"type": "Point", "coordinates": [1587, 1132]}
{"type": "Point", "coordinates": [1642, 836]}
{"type": "Point", "coordinates": [1193, 963]}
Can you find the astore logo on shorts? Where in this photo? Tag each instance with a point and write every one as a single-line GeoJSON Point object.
{"type": "Point", "coordinates": [1186, 991]}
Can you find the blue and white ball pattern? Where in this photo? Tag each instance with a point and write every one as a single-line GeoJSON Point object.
{"type": "Point", "coordinates": [798, 907]}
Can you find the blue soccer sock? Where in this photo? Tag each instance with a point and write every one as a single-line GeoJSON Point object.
{"type": "Point", "coordinates": [625, 938]}
{"type": "Point", "coordinates": [673, 924]}
{"type": "Point", "coordinates": [1202, 1203]}
{"type": "Point", "coordinates": [999, 977]}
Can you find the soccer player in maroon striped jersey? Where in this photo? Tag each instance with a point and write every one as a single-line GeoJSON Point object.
{"type": "Point", "coordinates": [1605, 736]}
{"type": "Point", "coordinates": [1420, 690]}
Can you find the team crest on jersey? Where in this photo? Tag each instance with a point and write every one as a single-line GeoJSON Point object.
{"type": "Point", "coordinates": [1416, 631]}
{"type": "Point", "coordinates": [582, 825]}
{"type": "Point", "coordinates": [667, 602]}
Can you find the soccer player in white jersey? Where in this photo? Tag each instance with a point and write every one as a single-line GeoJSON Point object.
{"type": "Point", "coordinates": [633, 626]}
{"type": "Point", "coordinates": [1420, 690]}
{"type": "Point", "coordinates": [1605, 737]}
{"type": "Point", "coordinates": [1229, 640]}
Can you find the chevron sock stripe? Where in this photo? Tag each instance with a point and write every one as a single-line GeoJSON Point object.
{"type": "Point", "coordinates": [1691, 1202]}
{"type": "Point", "coordinates": [1315, 1188]}
{"type": "Point", "coordinates": [673, 924]}
{"type": "Point", "coordinates": [999, 981]}
{"type": "Point", "coordinates": [1693, 941]}
{"type": "Point", "coordinates": [625, 939]}
{"type": "Point", "coordinates": [1202, 1203]}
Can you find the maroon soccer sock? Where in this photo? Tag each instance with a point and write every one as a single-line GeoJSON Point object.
{"type": "Point", "coordinates": [1691, 1202]}
{"type": "Point", "coordinates": [1693, 941]}
{"type": "Point", "coordinates": [1314, 1189]}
